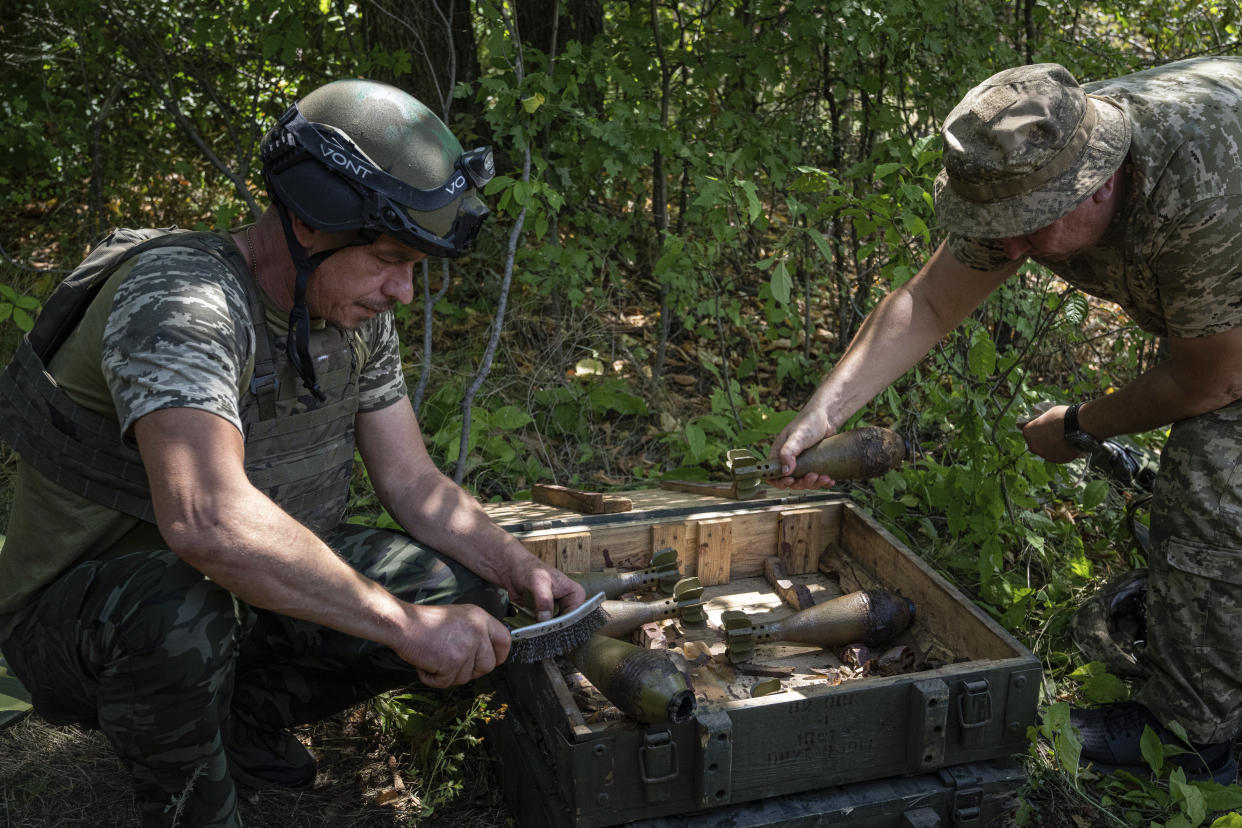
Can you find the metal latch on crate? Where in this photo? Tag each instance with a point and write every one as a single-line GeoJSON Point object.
{"type": "Point", "coordinates": [966, 800]}
{"type": "Point", "coordinates": [657, 763]}
{"type": "Point", "coordinates": [974, 711]}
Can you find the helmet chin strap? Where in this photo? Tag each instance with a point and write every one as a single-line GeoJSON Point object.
{"type": "Point", "coordinates": [298, 341]}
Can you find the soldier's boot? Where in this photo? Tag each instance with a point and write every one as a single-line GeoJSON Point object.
{"type": "Point", "coordinates": [1112, 735]}
{"type": "Point", "coordinates": [259, 757]}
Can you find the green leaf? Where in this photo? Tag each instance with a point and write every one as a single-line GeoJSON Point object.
{"type": "Point", "coordinates": [1152, 749]}
{"type": "Point", "coordinates": [589, 366]}
{"type": "Point", "coordinates": [1233, 820]}
{"type": "Point", "coordinates": [982, 356]}
{"type": "Point", "coordinates": [1105, 688]}
{"type": "Point", "coordinates": [611, 396]}
{"type": "Point", "coordinates": [781, 283]}
{"type": "Point", "coordinates": [1192, 801]}
{"type": "Point", "coordinates": [497, 184]}
{"type": "Point", "coordinates": [1080, 565]}
{"type": "Point", "coordinates": [821, 244]}
{"type": "Point", "coordinates": [754, 208]}
{"type": "Point", "coordinates": [533, 103]}
{"type": "Point", "coordinates": [1094, 494]}
{"type": "Point", "coordinates": [510, 418]}
{"type": "Point", "coordinates": [696, 440]}
{"type": "Point", "coordinates": [884, 170]}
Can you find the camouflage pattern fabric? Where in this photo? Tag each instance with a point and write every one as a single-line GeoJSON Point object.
{"type": "Point", "coordinates": [172, 329]}
{"type": "Point", "coordinates": [1194, 601]}
{"type": "Point", "coordinates": [159, 658]}
{"type": "Point", "coordinates": [1172, 258]}
{"type": "Point", "coordinates": [172, 338]}
{"type": "Point", "coordinates": [1024, 148]}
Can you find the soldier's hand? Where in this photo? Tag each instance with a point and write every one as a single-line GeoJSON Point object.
{"type": "Point", "coordinates": [805, 430]}
{"type": "Point", "coordinates": [547, 587]}
{"type": "Point", "coordinates": [1045, 436]}
{"type": "Point", "coordinates": [452, 644]}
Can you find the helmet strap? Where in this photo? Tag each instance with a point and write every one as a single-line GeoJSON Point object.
{"type": "Point", "coordinates": [297, 344]}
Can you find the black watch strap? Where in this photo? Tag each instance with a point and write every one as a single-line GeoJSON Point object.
{"type": "Point", "coordinates": [1074, 435]}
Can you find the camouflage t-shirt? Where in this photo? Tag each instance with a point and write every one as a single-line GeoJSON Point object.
{"type": "Point", "coordinates": [1173, 258]}
{"type": "Point", "coordinates": [192, 346]}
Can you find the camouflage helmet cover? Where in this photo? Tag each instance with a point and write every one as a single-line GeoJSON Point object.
{"type": "Point", "coordinates": [358, 154]}
{"type": "Point", "coordinates": [1023, 149]}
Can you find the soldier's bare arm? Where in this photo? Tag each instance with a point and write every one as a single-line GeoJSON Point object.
{"type": "Point", "coordinates": [896, 335]}
{"type": "Point", "coordinates": [441, 514]}
{"type": "Point", "coordinates": [215, 520]}
{"type": "Point", "coordinates": [1202, 374]}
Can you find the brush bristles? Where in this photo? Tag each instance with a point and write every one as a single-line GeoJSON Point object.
{"type": "Point", "coordinates": [557, 642]}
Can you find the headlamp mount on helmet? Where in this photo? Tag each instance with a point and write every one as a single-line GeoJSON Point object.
{"type": "Point", "coordinates": [376, 201]}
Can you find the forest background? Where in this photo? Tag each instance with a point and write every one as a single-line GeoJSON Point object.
{"type": "Point", "coordinates": [697, 204]}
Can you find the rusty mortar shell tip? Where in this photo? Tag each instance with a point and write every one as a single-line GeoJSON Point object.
{"type": "Point", "coordinates": [643, 684]}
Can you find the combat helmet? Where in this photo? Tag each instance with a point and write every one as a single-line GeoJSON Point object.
{"type": "Point", "coordinates": [363, 155]}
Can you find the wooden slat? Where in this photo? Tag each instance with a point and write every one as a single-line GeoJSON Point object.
{"type": "Point", "coordinates": [796, 595]}
{"type": "Point", "coordinates": [715, 546]}
{"type": "Point", "coordinates": [798, 540]}
{"type": "Point", "coordinates": [590, 503]}
{"type": "Point", "coordinates": [676, 536]}
{"type": "Point", "coordinates": [567, 551]}
{"type": "Point", "coordinates": [628, 544]}
{"type": "Point", "coordinates": [940, 606]}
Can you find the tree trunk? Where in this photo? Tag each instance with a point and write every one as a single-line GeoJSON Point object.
{"type": "Point", "coordinates": [438, 35]}
{"type": "Point", "coordinates": [579, 20]}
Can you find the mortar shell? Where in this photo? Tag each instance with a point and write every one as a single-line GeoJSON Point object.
{"type": "Point", "coordinates": [853, 455]}
{"type": "Point", "coordinates": [643, 684]}
{"type": "Point", "coordinates": [870, 617]}
{"type": "Point", "coordinates": [662, 575]}
{"type": "Point", "coordinates": [623, 617]}
{"type": "Point", "coordinates": [626, 616]}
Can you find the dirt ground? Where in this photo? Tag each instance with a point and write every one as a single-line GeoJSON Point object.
{"type": "Point", "coordinates": [57, 777]}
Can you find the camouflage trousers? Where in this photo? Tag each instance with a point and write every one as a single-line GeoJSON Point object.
{"type": "Point", "coordinates": [158, 657]}
{"type": "Point", "coordinates": [1194, 599]}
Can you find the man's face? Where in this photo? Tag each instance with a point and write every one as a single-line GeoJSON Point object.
{"type": "Point", "coordinates": [358, 283]}
{"type": "Point", "coordinates": [1074, 232]}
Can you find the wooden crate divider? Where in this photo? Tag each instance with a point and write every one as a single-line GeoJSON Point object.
{"type": "Point", "coordinates": [715, 551]}
{"type": "Point", "coordinates": [798, 541]}
{"type": "Point", "coordinates": [567, 551]}
{"type": "Point", "coordinates": [674, 535]}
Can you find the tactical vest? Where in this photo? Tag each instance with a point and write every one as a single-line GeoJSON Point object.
{"type": "Point", "coordinates": [299, 451]}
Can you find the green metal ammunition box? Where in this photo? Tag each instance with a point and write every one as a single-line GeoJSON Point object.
{"type": "Point", "coordinates": [875, 745]}
{"type": "Point", "coordinates": [974, 795]}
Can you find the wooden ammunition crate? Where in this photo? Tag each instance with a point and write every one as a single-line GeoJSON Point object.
{"type": "Point", "coordinates": [957, 704]}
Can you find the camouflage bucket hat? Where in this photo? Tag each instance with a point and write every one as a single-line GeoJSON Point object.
{"type": "Point", "coordinates": [1023, 149]}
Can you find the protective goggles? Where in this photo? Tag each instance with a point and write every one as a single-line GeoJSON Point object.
{"type": "Point", "coordinates": [387, 200]}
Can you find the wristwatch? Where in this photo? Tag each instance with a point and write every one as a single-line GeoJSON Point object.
{"type": "Point", "coordinates": [1074, 435]}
